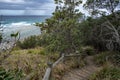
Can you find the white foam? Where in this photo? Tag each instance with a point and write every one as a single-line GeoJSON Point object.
{"type": "Point", "coordinates": [18, 24]}
{"type": "Point", "coordinates": [25, 29]}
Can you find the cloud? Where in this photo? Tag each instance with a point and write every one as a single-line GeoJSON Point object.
{"type": "Point", "coordinates": [12, 1]}
{"type": "Point", "coordinates": [11, 12]}
{"type": "Point", "coordinates": [34, 12]}
{"type": "Point", "coordinates": [25, 12]}
{"type": "Point", "coordinates": [27, 7]}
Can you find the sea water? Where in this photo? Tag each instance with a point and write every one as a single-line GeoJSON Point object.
{"type": "Point", "coordinates": [25, 25]}
{"type": "Point", "coordinates": [22, 24]}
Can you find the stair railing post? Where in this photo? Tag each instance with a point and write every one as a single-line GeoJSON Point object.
{"type": "Point", "coordinates": [50, 66]}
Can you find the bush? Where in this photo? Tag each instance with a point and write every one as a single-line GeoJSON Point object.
{"type": "Point", "coordinates": [100, 59]}
{"type": "Point", "coordinates": [112, 57]}
{"type": "Point", "coordinates": [0, 37]}
{"type": "Point", "coordinates": [29, 63]}
{"type": "Point", "coordinates": [5, 75]}
{"type": "Point", "coordinates": [10, 75]}
{"type": "Point", "coordinates": [115, 59]}
{"type": "Point", "coordinates": [29, 42]}
{"type": "Point", "coordinates": [42, 52]}
{"type": "Point", "coordinates": [107, 73]}
{"type": "Point", "coordinates": [88, 50]}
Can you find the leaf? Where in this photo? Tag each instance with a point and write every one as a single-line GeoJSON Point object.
{"type": "Point", "coordinates": [2, 73]}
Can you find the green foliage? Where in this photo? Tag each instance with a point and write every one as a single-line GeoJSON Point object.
{"type": "Point", "coordinates": [95, 32]}
{"type": "Point", "coordinates": [115, 59]}
{"type": "Point", "coordinates": [88, 50]}
{"type": "Point", "coordinates": [14, 34]}
{"type": "Point", "coordinates": [29, 42]}
{"type": "Point", "coordinates": [42, 52]}
{"type": "Point", "coordinates": [103, 27]}
{"type": "Point", "coordinates": [62, 27]}
{"type": "Point", "coordinates": [37, 51]}
{"type": "Point", "coordinates": [97, 5]}
{"type": "Point", "coordinates": [10, 75]}
{"type": "Point", "coordinates": [107, 73]}
{"type": "Point", "coordinates": [3, 74]}
{"type": "Point", "coordinates": [101, 58]}
{"type": "Point", "coordinates": [0, 37]}
{"type": "Point", "coordinates": [42, 26]}
{"type": "Point", "coordinates": [35, 41]}
{"type": "Point", "coordinates": [90, 33]}
{"type": "Point", "coordinates": [104, 57]}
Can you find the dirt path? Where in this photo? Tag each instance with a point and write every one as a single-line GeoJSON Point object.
{"type": "Point", "coordinates": [83, 73]}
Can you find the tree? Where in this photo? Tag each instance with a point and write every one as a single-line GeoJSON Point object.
{"type": "Point", "coordinates": [102, 6]}
{"type": "Point", "coordinates": [109, 28]}
{"type": "Point", "coordinates": [62, 27]}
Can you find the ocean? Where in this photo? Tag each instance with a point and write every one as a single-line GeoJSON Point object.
{"type": "Point", "coordinates": [22, 24]}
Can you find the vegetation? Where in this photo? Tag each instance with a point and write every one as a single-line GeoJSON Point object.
{"type": "Point", "coordinates": [69, 31]}
{"type": "Point", "coordinates": [29, 63]}
{"type": "Point", "coordinates": [62, 28]}
{"type": "Point", "coordinates": [29, 42]}
{"type": "Point", "coordinates": [0, 37]}
{"type": "Point", "coordinates": [107, 73]}
{"type": "Point", "coordinates": [10, 75]}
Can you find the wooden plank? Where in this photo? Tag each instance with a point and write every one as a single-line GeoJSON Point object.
{"type": "Point", "coordinates": [60, 59]}
{"type": "Point", "coordinates": [48, 71]}
{"type": "Point", "coordinates": [73, 55]}
{"type": "Point", "coordinates": [47, 74]}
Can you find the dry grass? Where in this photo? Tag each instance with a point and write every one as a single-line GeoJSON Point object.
{"type": "Point", "coordinates": [29, 61]}
{"type": "Point", "coordinates": [63, 67]}
{"type": "Point", "coordinates": [33, 63]}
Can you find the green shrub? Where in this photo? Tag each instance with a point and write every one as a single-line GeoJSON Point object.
{"type": "Point", "coordinates": [34, 41]}
{"type": "Point", "coordinates": [4, 75]}
{"type": "Point", "coordinates": [30, 51]}
{"type": "Point", "coordinates": [29, 42]}
{"type": "Point", "coordinates": [42, 52]}
{"type": "Point", "coordinates": [107, 73]}
{"type": "Point", "coordinates": [101, 58]}
{"type": "Point", "coordinates": [43, 39]}
{"type": "Point", "coordinates": [112, 57]}
{"type": "Point", "coordinates": [10, 74]}
{"type": "Point", "coordinates": [88, 50]}
{"type": "Point", "coordinates": [0, 37]}
{"type": "Point", "coordinates": [115, 59]}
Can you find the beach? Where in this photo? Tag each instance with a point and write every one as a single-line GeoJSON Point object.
{"type": "Point", "coordinates": [25, 25]}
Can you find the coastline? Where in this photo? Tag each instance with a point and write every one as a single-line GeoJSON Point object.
{"type": "Point", "coordinates": [25, 30]}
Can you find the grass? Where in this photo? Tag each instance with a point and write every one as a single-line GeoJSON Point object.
{"type": "Point", "coordinates": [107, 73]}
{"type": "Point", "coordinates": [32, 62]}
{"type": "Point", "coordinates": [110, 63]}
{"type": "Point", "coordinates": [105, 57]}
{"type": "Point", "coordinates": [100, 59]}
{"type": "Point", "coordinates": [29, 61]}
{"type": "Point", "coordinates": [65, 66]}
{"type": "Point", "coordinates": [37, 50]}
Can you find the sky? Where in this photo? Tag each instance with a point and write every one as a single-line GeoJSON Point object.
{"type": "Point", "coordinates": [28, 7]}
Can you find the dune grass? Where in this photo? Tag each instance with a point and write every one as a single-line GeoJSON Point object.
{"type": "Point", "coordinates": [29, 61]}
{"type": "Point", "coordinates": [33, 63]}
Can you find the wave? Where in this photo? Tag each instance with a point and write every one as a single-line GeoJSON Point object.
{"type": "Point", "coordinates": [25, 29]}
{"type": "Point", "coordinates": [20, 23]}
{"type": "Point", "coordinates": [17, 24]}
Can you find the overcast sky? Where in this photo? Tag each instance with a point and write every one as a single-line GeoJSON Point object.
{"type": "Point", "coordinates": [27, 7]}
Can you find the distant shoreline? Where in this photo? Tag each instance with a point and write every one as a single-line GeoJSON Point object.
{"type": "Point", "coordinates": [28, 15]}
